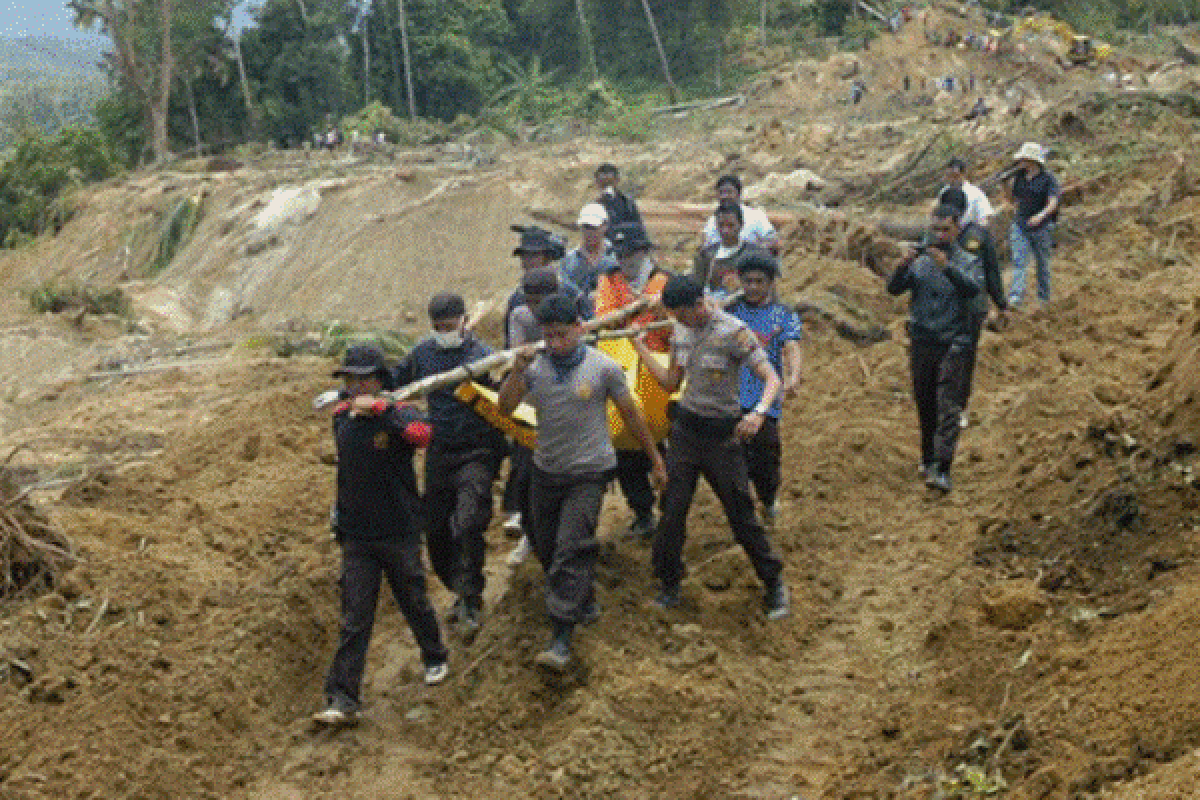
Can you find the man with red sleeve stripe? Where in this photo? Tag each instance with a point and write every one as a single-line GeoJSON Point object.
{"type": "Point", "coordinates": [377, 524]}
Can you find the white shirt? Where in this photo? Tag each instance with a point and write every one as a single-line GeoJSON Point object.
{"type": "Point", "coordinates": [755, 227]}
{"type": "Point", "coordinates": [979, 208]}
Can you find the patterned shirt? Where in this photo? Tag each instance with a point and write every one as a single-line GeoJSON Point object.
{"type": "Point", "coordinates": [775, 325]}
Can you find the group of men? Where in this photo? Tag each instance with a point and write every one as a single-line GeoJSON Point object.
{"type": "Point", "coordinates": [730, 349]}
{"type": "Point", "coordinates": [951, 275]}
{"type": "Point", "coordinates": [726, 346]}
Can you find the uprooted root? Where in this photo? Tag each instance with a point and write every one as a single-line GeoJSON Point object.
{"type": "Point", "coordinates": [33, 552]}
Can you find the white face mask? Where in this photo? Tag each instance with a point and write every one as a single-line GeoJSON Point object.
{"type": "Point", "coordinates": [449, 340]}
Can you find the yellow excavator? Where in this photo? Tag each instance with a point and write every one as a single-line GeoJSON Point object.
{"type": "Point", "coordinates": [1072, 50]}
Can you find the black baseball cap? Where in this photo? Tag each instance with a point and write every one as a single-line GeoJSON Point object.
{"type": "Point", "coordinates": [362, 360]}
{"type": "Point", "coordinates": [629, 237]}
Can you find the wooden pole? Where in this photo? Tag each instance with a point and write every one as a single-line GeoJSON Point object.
{"type": "Point", "coordinates": [502, 359]}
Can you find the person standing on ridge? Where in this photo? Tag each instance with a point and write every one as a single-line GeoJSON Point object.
{"type": "Point", "coordinates": [619, 207]}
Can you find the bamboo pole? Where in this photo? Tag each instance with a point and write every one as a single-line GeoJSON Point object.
{"type": "Point", "coordinates": [502, 359]}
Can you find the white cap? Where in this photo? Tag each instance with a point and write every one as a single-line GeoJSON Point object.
{"type": "Point", "coordinates": [1031, 151]}
{"type": "Point", "coordinates": [593, 215]}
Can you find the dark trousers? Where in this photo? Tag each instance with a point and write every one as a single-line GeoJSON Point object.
{"type": "Point", "coordinates": [364, 562]}
{"type": "Point", "coordinates": [938, 375]}
{"type": "Point", "coordinates": [764, 455]}
{"type": "Point", "coordinates": [633, 476]}
{"type": "Point", "coordinates": [458, 510]}
{"type": "Point", "coordinates": [976, 321]}
{"type": "Point", "coordinates": [720, 460]}
{"type": "Point", "coordinates": [564, 510]}
{"type": "Point", "coordinates": [520, 471]}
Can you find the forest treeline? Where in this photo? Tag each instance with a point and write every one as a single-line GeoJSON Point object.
{"type": "Point", "coordinates": [182, 77]}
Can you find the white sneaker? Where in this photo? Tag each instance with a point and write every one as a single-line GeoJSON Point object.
{"type": "Point", "coordinates": [520, 552]}
{"type": "Point", "coordinates": [335, 716]}
{"type": "Point", "coordinates": [436, 673]}
{"type": "Point", "coordinates": [513, 522]}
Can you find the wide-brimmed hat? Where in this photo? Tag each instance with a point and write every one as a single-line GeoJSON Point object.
{"type": "Point", "coordinates": [592, 215]}
{"type": "Point", "coordinates": [1031, 151]}
{"type": "Point", "coordinates": [629, 237]}
{"type": "Point", "coordinates": [535, 240]}
{"type": "Point", "coordinates": [362, 360]}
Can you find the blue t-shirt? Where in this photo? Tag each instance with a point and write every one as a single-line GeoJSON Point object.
{"type": "Point", "coordinates": [774, 324]}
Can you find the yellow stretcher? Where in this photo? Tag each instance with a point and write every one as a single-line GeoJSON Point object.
{"type": "Point", "coordinates": [647, 393]}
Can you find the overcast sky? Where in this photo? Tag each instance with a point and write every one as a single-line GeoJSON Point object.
{"type": "Point", "coordinates": [37, 18]}
{"type": "Point", "coordinates": [44, 18]}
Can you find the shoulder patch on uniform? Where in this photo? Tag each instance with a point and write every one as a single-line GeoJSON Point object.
{"type": "Point", "coordinates": [973, 244]}
{"type": "Point", "coordinates": [746, 338]}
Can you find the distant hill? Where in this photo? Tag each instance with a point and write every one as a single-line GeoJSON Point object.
{"type": "Point", "coordinates": [47, 83]}
{"type": "Point", "coordinates": [49, 58]}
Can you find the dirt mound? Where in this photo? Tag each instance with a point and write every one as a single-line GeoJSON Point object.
{"type": "Point", "coordinates": [171, 659]}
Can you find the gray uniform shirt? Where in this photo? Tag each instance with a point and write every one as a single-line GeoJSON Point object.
{"type": "Point", "coordinates": [712, 358]}
{"type": "Point", "coordinates": [523, 327]}
{"type": "Point", "coordinates": [572, 413]}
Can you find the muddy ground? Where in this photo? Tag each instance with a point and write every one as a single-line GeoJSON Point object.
{"type": "Point", "coordinates": [1032, 634]}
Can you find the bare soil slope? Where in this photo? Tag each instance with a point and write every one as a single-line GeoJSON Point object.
{"type": "Point", "coordinates": [1035, 629]}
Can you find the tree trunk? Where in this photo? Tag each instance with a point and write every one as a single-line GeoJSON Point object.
{"type": "Point", "coordinates": [408, 81]}
{"type": "Point", "coordinates": [160, 101]}
{"type": "Point", "coordinates": [187, 82]}
{"type": "Point", "coordinates": [762, 23]}
{"type": "Point", "coordinates": [366, 37]}
{"type": "Point", "coordinates": [672, 90]}
{"type": "Point", "coordinates": [241, 65]}
{"type": "Point", "coordinates": [396, 92]}
{"type": "Point", "coordinates": [585, 40]}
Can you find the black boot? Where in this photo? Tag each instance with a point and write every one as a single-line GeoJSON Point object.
{"type": "Point", "coordinates": [557, 656]}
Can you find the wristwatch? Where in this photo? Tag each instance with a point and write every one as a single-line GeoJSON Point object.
{"type": "Point", "coordinates": [761, 409]}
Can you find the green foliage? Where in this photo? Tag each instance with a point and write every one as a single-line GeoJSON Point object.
{"type": "Point", "coordinates": [530, 94]}
{"type": "Point", "coordinates": [119, 120]}
{"type": "Point", "coordinates": [599, 100]}
{"type": "Point", "coordinates": [33, 181]}
{"type": "Point", "coordinates": [373, 118]}
{"type": "Point", "coordinates": [177, 228]}
{"type": "Point", "coordinates": [634, 125]}
{"type": "Point", "coordinates": [52, 298]}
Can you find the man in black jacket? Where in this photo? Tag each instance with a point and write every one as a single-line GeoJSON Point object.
{"type": "Point", "coordinates": [460, 465]}
{"type": "Point", "coordinates": [377, 523]}
{"type": "Point", "coordinates": [619, 206]}
{"type": "Point", "coordinates": [942, 279]}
